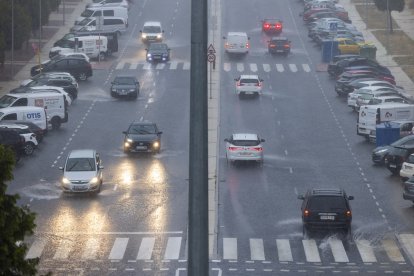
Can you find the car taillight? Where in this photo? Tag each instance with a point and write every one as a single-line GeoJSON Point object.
{"type": "Point", "coordinates": [306, 213]}
{"type": "Point", "coordinates": [287, 45]}
{"type": "Point", "coordinates": [226, 45]}
{"type": "Point", "coordinates": [348, 214]}
{"type": "Point", "coordinates": [257, 149]}
{"type": "Point", "coordinates": [278, 26]}
{"type": "Point", "coordinates": [247, 45]}
{"type": "Point", "coordinates": [233, 148]}
{"type": "Point", "coordinates": [259, 84]}
{"type": "Point", "coordinates": [266, 26]}
{"type": "Point", "coordinates": [238, 83]}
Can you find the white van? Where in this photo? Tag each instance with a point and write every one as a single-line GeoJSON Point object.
{"type": "Point", "coordinates": [117, 24]}
{"type": "Point", "coordinates": [152, 31]}
{"type": "Point", "coordinates": [34, 114]}
{"type": "Point", "coordinates": [54, 104]}
{"type": "Point", "coordinates": [236, 43]}
{"type": "Point", "coordinates": [109, 3]}
{"type": "Point", "coordinates": [92, 46]}
{"type": "Point", "coordinates": [104, 11]}
{"type": "Point", "coordinates": [371, 115]}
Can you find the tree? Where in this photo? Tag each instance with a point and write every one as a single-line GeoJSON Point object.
{"type": "Point", "coordinates": [15, 223]}
{"type": "Point", "coordinates": [389, 6]}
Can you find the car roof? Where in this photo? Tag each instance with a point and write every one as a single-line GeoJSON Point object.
{"type": "Point", "coordinates": [374, 81]}
{"type": "Point", "coordinates": [2, 125]}
{"type": "Point", "coordinates": [272, 20]}
{"type": "Point", "coordinates": [279, 38]}
{"type": "Point", "coordinates": [327, 192]}
{"type": "Point", "coordinates": [236, 34]}
{"type": "Point", "coordinates": [152, 23]}
{"type": "Point", "coordinates": [82, 153]}
{"type": "Point", "coordinates": [245, 136]}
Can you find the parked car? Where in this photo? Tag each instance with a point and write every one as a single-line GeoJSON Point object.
{"type": "Point", "coordinates": [39, 132]}
{"type": "Point", "coordinates": [142, 137]}
{"type": "Point", "coordinates": [397, 156]}
{"type": "Point", "coordinates": [65, 84]}
{"type": "Point", "coordinates": [30, 141]}
{"type": "Point", "coordinates": [82, 172]}
{"type": "Point", "coordinates": [11, 139]}
{"type": "Point", "coordinates": [380, 153]}
{"type": "Point", "coordinates": [52, 75]}
{"type": "Point", "coordinates": [77, 67]}
{"type": "Point", "coordinates": [407, 168]}
{"type": "Point", "coordinates": [379, 98]}
{"type": "Point", "coordinates": [408, 192]}
{"type": "Point", "coordinates": [326, 209]}
{"type": "Point", "coordinates": [125, 86]}
{"type": "Point", "coordinates": [244, 147]}
{"type": "Point", "coordinates": [337, 68]}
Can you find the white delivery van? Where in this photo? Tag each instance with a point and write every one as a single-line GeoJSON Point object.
{"type": "Point", "coordinates": [371, 115]}
{"type": "Point", "coordinates": [105, 12]}
{"type": "Point", "coordinates": [117, 24]}
{"type": "Point", "coordinates": [93, 46]}
{"type": "Point", "coordinates": [54, 104]}
{"type": "Point", "coordinates": [34, 114]}
{"type": "Point", "coordinates": [236, 43]}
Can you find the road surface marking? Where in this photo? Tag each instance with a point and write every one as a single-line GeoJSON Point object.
{"type": "Point", "coordinates": [257, 250]}
{"type": "Point", "coordinates": [240, 67]}
{"type": "Point", "coordinates": [306, 67]}
{"type": "Point", "coordinates": [186, 66]}
{"type": "Point", "coordinates": [266, 67]}
{"type": "Point", "coordinates": [36, 249]}
{"type": "Point", "coordinates": [253, 67]}
{"type": "Point", "coordinates": [279, 67]}
{"type": "Point", "coordinates": [338, 251]}
{"type": "Point", "coordinates": [366, 251]}
{"type": "Point", "coordinates": [172, 251]}
{"type": "Point", "coordinates": [64, 249]}
{"type": "Point", "coordinates": [173, 65]}
{"type": "Point", "coordinates": [90, 249]}
{"type": "Point", "coordinates": [283, 250]}
{"type": "Point", "coordinates": [293, 68]}
{"type": "Point", "coordinates": [230, 248]}
{"type": "Point", "coordinates": [311, 251]}
{"type": "Point", "coordinates": [118, 249]}
{"type": "Point", "coordinates": [145, 249]}
{"type": "Point", "coordinates": [392, 250]}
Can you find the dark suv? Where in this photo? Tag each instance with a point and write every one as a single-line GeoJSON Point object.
{"type": "Point", "coordinates": [12, 139]}
{"type": "Point", "coordinates": [396, 158]}
{"type": "Point", "coordinates": [142, 137]}
{"type": "Point", "coordinates": [279, 44]}
{"type": "Point", "coordinates": [326, 209]}
{"type": "Point", "coordinates": [125, 86]}
{"type": "Point", "coordinates": [77, 67]}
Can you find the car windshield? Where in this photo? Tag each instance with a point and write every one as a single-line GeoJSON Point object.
{"type": "Point", "coordinates": [328, 203]}
{"type": "Point", "coordinates": [142, 129]}
{"type": "Point", "coordinates": [85, 21]}
{"type": "Point", "coordinates": [6, 101]}
{"type": "Point", "coordinates": [87, 13]}
{"type": "Point", "coordinates": [158, 46]}
{"type": "Point", "coordinates": [245, 143]}
{"type": "Point", "coordinates": [80, 164]}
{"type": "Point", "coordinates": [124, 80]}
{"type": "Point", "coordinates": [403, 140]}
{"type": "Point", "coordinates": [151, 29]}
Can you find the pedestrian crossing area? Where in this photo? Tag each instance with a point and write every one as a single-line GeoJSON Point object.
{"type": "Point", "coordinates": [227, 66]}
{"type": "Point", "coordinates": [399, 250]}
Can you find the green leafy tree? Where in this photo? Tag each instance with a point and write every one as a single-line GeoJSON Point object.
{"type": "Point", "coordinates": [389, 6]}
{"type": "Point", "coordinates": [15, 223]}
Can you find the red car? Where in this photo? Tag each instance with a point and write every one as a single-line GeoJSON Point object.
{"type": "Point", "coordinates": [270, 25]}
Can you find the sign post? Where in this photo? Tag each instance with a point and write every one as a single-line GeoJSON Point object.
{"type": "Point", "coordinates": [211, 58]}
{"type": "Point", "coordinates": [333, 28]}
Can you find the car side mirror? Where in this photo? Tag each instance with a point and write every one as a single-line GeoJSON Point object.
{"type": "Point", "coordinates": [124, 132]}
{"type": "Point", "coordinates": [226, 140]}
{"type": "Point", "coordinates": [159, 132]}
{"type": "Point", "coordinates": [262, 140]}
{"type": "Point", "coordinates": [224, 37]}
{"type": "Point", "coordinates": [61, 168]}
{"type": "Point", "coordinates": [301, 197]}
{"type": "Point", "coordinates": [351, 197]}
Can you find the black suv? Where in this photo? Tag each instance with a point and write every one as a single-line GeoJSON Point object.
{"type": "Point", "coordinates": [125, 86]}
{"type": "Point", "coordinates": [158, 52]}
{"type": "Point", "coordinates": [397, 156]}
{"type": "Point", "coordinates": [279, 44]}
{"type": "Point", "coordinates": [10, 138]}
{"type": "Point", "coordinates": [326, 209]}
{"type": "Point", "coordinates": [77, 67]}
{"type": "Point", "coordinates": [142, 137]}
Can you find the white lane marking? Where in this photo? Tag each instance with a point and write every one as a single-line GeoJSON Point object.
{"type": "Point", "coordinates": [173, 65]}
{"type": "Point", "coordinates": [145, 249]}
{"type": "Point", "coordinates": [160, 66]}
{"type": "Point", "coordinates": [36, 249]}
{"type": "Point", "coordinates": [226, 66]}
{"type": "Point", "coordinates": [91, 249]}
{"type": "Point", "coordinates": [279, 67]}
{"type": "Point", "coordinates": [283, 250]}
{"type": "Point", "coordinates": [253, 67]}
{"type": "Point", "coordinates": [366, 251]}
{"type": "Point", "coordinates": [338, 251]}
{"type": "Point", "coordinates": [293, 68]}
{"type": "Point", "coordinates": [64, 249]}
{"type": "Point", "coordinates": [311, 251]}
{"type": "Point", "coordinates": [172, 251]}
{"type": "Point", "coordinates": [186, 66]}
{"type": "Point", "coordinates": [257, 250]}
{"type": "Point", "coordinates": [230, 248]}
{"type": "Point", "coordinates": [120, 65]}
{"type": "Point", "coordinates": [118, 249]}
{"type": "Point", "coordinates": [392, 250]}
{"type": "Point", "coordinates": [306, 67]}
{"type": "Point", "coordinates": [240, 67]}
{"type": "Point", "coordinates": [266, 67]}
{"type": "Point", "coordinates": [133, 66]}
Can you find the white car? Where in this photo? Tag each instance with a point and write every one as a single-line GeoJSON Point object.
{"type": "Point", "coordinates": [407, 168]}
{"type": "Point", "coordinates": [248, 85]}
{"type": "Point", "coordinates": [29, 137]}
{"type": "Point", "coordinates": [152, 32]}
{"type": "Point", "coordinates": [353, 96]}
{"type": "Point", "coordinates": [82, 172]}
{"type": "Point", "coordinates": [52, 75]}
{"type": "Point", "coordinates": [236, 43]}
{"type": "Point", "coordinates": [244, 147]}
{"type": "Point", "coordinates": [376, 100]}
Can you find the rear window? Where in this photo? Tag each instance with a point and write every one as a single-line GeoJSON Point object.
{"type": "Point", "coordinates": [249, 81]}
{"type": "Point", "coordinates": [245, 143]}
{"type": "Point", "coordinates": [329, 203]}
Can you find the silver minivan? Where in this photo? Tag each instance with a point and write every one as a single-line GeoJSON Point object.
{"type": "Point", "coordinates": [117, 24]}
{"type": "Point", "coordinates": [236, 43]}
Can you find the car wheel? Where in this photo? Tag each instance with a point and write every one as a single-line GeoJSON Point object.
{"type": "Point", "coordinates": [55, 122]}
{"type": "Point", "coordinates": [395, 171]}
{"type": "Point", "coordinates": [113, 95]}
{"type": "Point", "coordinates": [82, 76]}
{"type": "Point", "coordinates": [29, 148]}
{"type": "Point", "coordinates": [134, 96]}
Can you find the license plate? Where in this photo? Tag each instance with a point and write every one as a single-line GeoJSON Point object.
{"type": "Point", "coordinates": [393, 166]}
{"type": "Point", "coordinates": [141, 147]}
{"type": "Point", "coordinates": [279, 51]}
{"type": "Point", "coordinates": [122, 92]}
{"type": "Point", "coordinates": [245, 153]}
{"type": "Point", "coordinates": [79, 187]}
{"type": "Point", "coordinates": [248, 92]}
{"type": "Point", "coordinates": [327, 217]}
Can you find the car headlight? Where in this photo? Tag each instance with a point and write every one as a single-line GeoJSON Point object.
{"type": "Point", "coordinates": [65, 180]}
{"type": "Point", "coordinates": [131, 90]}
{"type": "Point", "coordinates": [144, 36]}
{"type": "Point", "coordinates": [159, 36]}
{"type": "Point", "coordinates": [113, 90]}
{"type": "Point", "coordinates": [129, 140]}
{"type": "Point", "coordinates": [149, 55]}
{"type": "Point", "coordinates": [94, 180]}
{"type": "Point", "coordinates": [381, 151]}
{"type": "Point", "coordinates": [156, 144]}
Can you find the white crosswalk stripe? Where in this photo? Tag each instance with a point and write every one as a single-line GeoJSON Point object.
{"type": "Point", "coordinates": [338, 251]}
{"type": "Point", "coordinates": [280, 68]}
{"type": "Point", "coordinates": [173, 65]}
{"type": "Point", "coordinates": [283, 250]}
{"type": "Point", "coordinates": [226, 66]}
{"type": "Point", "coordinates": [147, 66]}
{"type": "Point", "coordinates": [64, 249]}
{"type": "Point", "coordinates": [172, 251]}
{"type": "Point", "coordinates": [257, 250]}
{"type": "Point", "coordinates": [91, 249]}
{"type": "Point", "coordinates": [293, 68]}
{"type": "Point", "coordinates": [392, 250]}
{"type": "Point", "coordinates": [230, 248]}
{"type": "Point", "coordinates": [186, 66]}
{"type": "Point", "coordinates": [160, 66]}
{"type": "Point", "coordinates": [253, 67]}
{"type": "Point", "coordinates": [266, 68]}
{"type": "Point", "coordinates": [240, 67]}
{"type": "Point", "coordinates": [36, 249]}
{"type": "Point", "coordinates": [134, 65]}
{"type": "Point", "coordinates": [120, 65]}
{"type": "Point", "coordinates": [118, 249]}
{"type": "Point", "coordinates": [366, 251]}
{"type": "Point", "coordinates": [306, 68]}
{"type": "Point", "coordinates": [311, 251]}
{"type": "Point", "coordinates": [145, 249]}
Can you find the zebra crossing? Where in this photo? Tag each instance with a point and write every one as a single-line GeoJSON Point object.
{"type": "Point", "coordinates": [397, 251]}
{"type": "Point", "coordinates": [227, 66]}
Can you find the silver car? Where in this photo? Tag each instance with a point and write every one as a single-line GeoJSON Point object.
{"type": "Point", "coordinates": [244, 147]}
{"type": "Point", "coordinates": [82, 172]}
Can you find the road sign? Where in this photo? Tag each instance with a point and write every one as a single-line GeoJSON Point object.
{"type": "Point", "coordinates": [211, 50]}
{"type": "Point", "coordinates": [211, 58]}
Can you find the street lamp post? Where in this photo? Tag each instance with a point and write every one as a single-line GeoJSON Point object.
{"type": "Point", "coordinates": [12, 42]}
